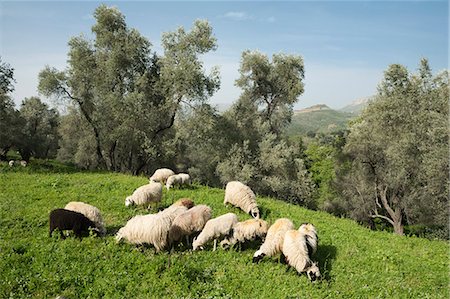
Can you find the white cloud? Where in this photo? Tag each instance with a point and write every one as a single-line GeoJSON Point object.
{"type": "Point", "coordinates": [238, 16]}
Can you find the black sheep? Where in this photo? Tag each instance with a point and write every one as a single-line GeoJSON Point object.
{"type": "Point", "coordinates": [69, 220]}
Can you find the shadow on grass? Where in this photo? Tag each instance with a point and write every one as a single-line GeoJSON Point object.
{"type": "Point", "coordinates": [112, 230]}
{"type": "Point", "coordinates": [264, 212]}
{"type": "Point", "coordinates": [325, 256]}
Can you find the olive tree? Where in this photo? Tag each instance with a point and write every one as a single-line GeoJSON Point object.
{"type": "Point", "coordinates": [399, 148]}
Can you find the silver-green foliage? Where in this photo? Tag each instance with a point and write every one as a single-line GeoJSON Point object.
{"type": "Point", "coordinates": [399, 148]}
{"type": "Point", "coordinates": [127, 96]}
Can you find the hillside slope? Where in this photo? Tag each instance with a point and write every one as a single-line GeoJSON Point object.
{"type": "Point", "coordinates": [318, 121]}
{"type": "Point", "coordinates": [355, 262]}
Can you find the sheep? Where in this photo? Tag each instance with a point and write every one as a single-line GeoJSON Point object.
{"type": "Point", "coordinates": [11, 163]}
{"type": "Point", "coordinates": [187, 202]}
{"type": "Point", "coordinates": [274, 239]}
{"type": "Point", "coordinates": [90, 212]}
{"type": "Point", "coordinates": [150, 229]}
{"type": "Point", "coordinates": [243, 197]}
{"type": "Point", "coordinates": [248, 230]}
{"type": "Point", "coordinates": [23, 163]}
{"type": "Point", "coordinates": [178, 179]}
{"type": "Point", "coordinates": [189, 222]}
{"type": "Point", "coordinates": [297, 254]}
{"type": "Point", "coordinates": [215, 228]}
{"type": "Point", "coordinates": [310, 233]}
{"type": "Point", "coordinates": [69, 220]}
{"type": "Point", "coordinates": [145, 195]}
{"type": "Point", "coordinates": [161, 175]}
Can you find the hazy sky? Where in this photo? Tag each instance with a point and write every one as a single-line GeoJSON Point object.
{"type": "Point", "coordinates": [345, 45]}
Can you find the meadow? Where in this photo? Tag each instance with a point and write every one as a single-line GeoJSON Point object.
{"type": "Point", "coordinates": [355, 262]}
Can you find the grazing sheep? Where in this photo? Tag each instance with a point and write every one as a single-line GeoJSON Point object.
{"type": "Point", "coordinates": [69, 220]}
{"type": "Point", "coordinates": [178, 179]}
{"type": "Point", "coordinates": [145, 195]}
{"type": "Point", "coordinates": [189, 222]}
{"type": "Point", "coordinates": [243, 197]}
{"type": "Point", "coordinates": [11, 163]}
{"type": "Point", "coordinates": [150, 229]}
{"type": "Point", "coordinates": [214, 229]}
{"type": "Point", "coordinates": [187, 202]}
{"type": "Point", "coordinates": [90, 212]}
{"type": "Point", "coordinates": [248, 230]}
{"type": "Point", "coordinates": [310, 233]}
{"type": "Point", "coordinates": [23, 163]}
{"type": "Point", "coordinates": [274, 239]}
{"type": "Point", "coordinates": [295, 249]}
{"type": "Point", "coordinates": [161, 175]}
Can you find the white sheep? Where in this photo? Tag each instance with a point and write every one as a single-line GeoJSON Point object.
{"type": "Point", "coordinates": [243, 197]}
{"type": "Point", "coordinates": [248, 230]}
{"type": "Point", "coordinates": [23, 163]}
{"type": "Point", "coordinates": [150, 229]}
{"type": "Point", "coordinates": [178, 179]}
{"type": "Point", "coordinates": [310, 233]}
{"type": "Point", "coordinates": [274, 239]}
{"type": "Point", "coordinates": [189, 222]}
{"type": "Point", "coordinates": [215, 228]}
{"type": "Point", "coordinates": [11, 163]}
{"type": "Point", "coordinates": [91, 212]}
{"type": "Point", "coordinates": [161, 175]}
{"type": "Point", "coordinates": [145, 195]}
{"type": "Point", "coordinates": [295, 249]}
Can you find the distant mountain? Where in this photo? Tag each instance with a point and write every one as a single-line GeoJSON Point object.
{"type": "Point", "coordinates": [357, 106]}
{"type": "Point", "coordinates": [318, 119]}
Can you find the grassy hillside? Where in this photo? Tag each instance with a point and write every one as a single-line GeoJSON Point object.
{"type": "Point", "coordinates": [320, 121]}
{"type": "Point", "coordinates": [355, 262]}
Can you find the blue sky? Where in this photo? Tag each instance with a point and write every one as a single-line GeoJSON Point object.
{"type": "Point", "coordinates": [345, 45]}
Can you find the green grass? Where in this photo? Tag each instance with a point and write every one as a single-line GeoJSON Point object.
{"type": "Point", "coordinates": [355, 262]}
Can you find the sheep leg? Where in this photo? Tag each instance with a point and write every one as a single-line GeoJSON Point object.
{"type": "Point", "coordinates": [283, 259]}
{"type": "Point", "coordinates": [62, 234]}
{"type": "Point", "coordinates": [187, 240]}
{"type": "Point", "coordinates": [215, 244]}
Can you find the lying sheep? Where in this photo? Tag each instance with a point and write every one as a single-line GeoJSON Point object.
{"type": "Point", "coordinates": [189, 222]}
{"type": "Point", "coordinates": [274, 239]}
{"type": "Point", "coordinates": [243, 197]}
{"type": "Point", "coordinates": [215, 228]}
{"type": "Point", "coordinates": [11, 163]}
{"type": "Point", "coordinates": [161, 175]}
{"type": "Point", "coordinates": [150, 229]}
{"type": "Point", "coordinates": [90, 212]}
{"type": "Point", "coordinates": [23, 163]}
{"type": "Point", "coordinates": [145, 195]}
{"type": "Point", "coordinates": [69, 220]}
{"type": "Point", "coordinates": [248, 230]}
{"type": "Point", "coordinates": [178, 180]}
{"type": "Point", "coordinates": [295, 249]}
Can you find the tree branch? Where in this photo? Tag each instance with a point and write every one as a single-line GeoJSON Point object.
{"type": "Point", "coordinates": [376, 215]}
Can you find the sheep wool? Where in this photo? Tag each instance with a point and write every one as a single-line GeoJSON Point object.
{"type": "Point", "coordinates": [11, 163]}
{"type": "Point", "coordinates": [189, 222]}
{"type": "Point", "coordinates": [150, 229]}
{"type": "Point", "coordinates": [161, 175]}
{"type": "Point", "coordinates": [91, 212]}
{"type": "Point", "coordinates": [215, 228]}
{"type": "Point", "coordinates": [63, 219]}
{"type": "Point", "coordinates": [145, 195]}
{"type": "Point", "coordinates": [243, 197]}
{"type": "Point", "coordinates": [274, 239]}
{"type": "Point", "coordinates": [310, 233]}
{"type": "Point", "coordinates": [295, 250]}
{"type": "Point", "coordinates": [187, 202]}
{"type": "Point", "coordinates": [178, 179]}
{"type": "Point", "coordinates": [247, 230]}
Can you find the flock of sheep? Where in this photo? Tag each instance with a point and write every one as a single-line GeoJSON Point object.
{"type": "Point", "coordinates": [183, 220]}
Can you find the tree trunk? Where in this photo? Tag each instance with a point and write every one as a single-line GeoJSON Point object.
{"type": "Point", "coordinates": [398, 228]}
